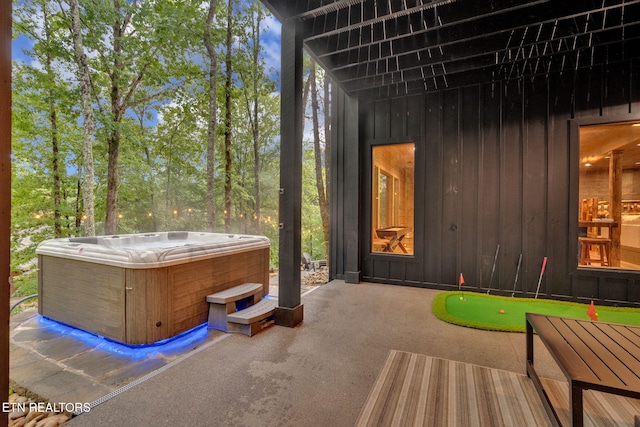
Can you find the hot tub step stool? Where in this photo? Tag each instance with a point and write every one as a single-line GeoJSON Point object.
{"type": "Point", "coordinates": [250, 320]}
{"type": "Point", "coordinates": [223, 303]}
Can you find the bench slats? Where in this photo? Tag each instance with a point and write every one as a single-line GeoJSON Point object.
{"type": "Point", "coordinates": [591, 352]}
{"type": "Point", "coordinates": [592, 355]}
{"type": "Point", "coordinates": [629, 335]}
{"type": "Point", "coordinates": [622, 362]}
{"type": "Point", "coordinates": [255, 313]}
{"type": "Point", "coordinates": [557, 345]}
{"type": "Point", "coordinates": [595, 366]}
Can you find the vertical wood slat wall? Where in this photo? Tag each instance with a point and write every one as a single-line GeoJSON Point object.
{"type": "Point", "coordinates": [495, 164]}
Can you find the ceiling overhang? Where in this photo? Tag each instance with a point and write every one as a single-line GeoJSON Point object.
{"type": "Point", "coordinates": [398, 47]}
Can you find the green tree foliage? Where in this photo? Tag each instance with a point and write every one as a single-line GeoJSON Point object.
{"type": "Point", "coordinates": [150, 77]}
{"type": "Point", "coordinates": [44, 137]}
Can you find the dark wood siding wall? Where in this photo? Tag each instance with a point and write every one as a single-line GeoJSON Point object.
{"type": "Point", "coordinates": [496, 164]}
{"type": "Point", "coordinates": [345, 186]}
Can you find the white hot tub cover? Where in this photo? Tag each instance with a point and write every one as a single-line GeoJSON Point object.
{"type": "Point", "coordinates": [151, 250]}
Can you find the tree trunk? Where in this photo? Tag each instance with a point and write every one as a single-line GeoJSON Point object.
{"type": "Point", "coordinates": [256, 129]}
{"type": "Point", "coordinates": [152, 198]}
{"type": "Point", "coordinates": [326, 218]}
{"type": "Point", "coordinates": [213, 117]}
{"type": "Point", "coordinates": [152, 184]}
{"type": "Point", "coordinates": [78, 204]}
{"type": "Point", "coordinates": [227, 128]}
{"type": "Point", "coordinates": [89, 124]}
{"type": "Point", "coordinates": [114, 138]}
{"type": "Point", "coordinates": [53, 122]}
{"type": "Point", "coordinates": [174, 132]}
{"type": "Point", "coordinates": [55, 152]}
{"type": "Point", "coordinates": [305, 97]}
{"type": "Point", "coordinates": [322, 197]}
{"type": "Point", "coordinates": [113, 181]}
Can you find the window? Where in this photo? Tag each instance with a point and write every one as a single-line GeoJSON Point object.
{"type": "Point", "coordinates": [609, 196]}
{"type": "Point", "coordinates": [392, 199]}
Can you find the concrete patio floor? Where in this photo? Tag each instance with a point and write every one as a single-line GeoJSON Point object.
{"type": "Point", "coordinates": [319, 373]}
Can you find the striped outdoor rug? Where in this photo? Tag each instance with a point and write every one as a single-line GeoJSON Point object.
{"type": "Point", "coordinates": [417, 390]}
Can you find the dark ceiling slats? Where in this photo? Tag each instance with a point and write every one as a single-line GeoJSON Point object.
{"type": "Point", "coordinates": [595, 46]}
{"type": "Point", "coordinates": [473, 42]}
{"type": "Point", "coordinates": [406, 46]}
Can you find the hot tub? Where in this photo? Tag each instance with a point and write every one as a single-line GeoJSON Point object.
{"type": "Point", "coordinates": [143, 288]}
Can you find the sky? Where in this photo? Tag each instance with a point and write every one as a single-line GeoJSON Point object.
{"type": "Point", "coordinates": [270, 42]}
{"type": "Point", "coordinates": [18, 45]}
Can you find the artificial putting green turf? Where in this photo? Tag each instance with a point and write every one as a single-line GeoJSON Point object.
{"type": "Point", "coordinates": [482, 311]}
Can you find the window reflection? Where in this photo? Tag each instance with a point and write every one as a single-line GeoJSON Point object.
{"type": "Point", "coordinates": [392, 199]}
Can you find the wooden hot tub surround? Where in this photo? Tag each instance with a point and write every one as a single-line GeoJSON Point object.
{"type": "Point", "coordinates": [144, 288]}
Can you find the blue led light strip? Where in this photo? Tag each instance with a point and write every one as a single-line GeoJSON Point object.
{"type": "Point", "coordinates": [180, 342]}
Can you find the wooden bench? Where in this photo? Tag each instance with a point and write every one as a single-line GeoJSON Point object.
{"type": "Point", "coordinates": [229, 301]}
{"type": "Point", "coordinates": [249, 321]}
{"type": "Point", "coordinates": [592, 355]}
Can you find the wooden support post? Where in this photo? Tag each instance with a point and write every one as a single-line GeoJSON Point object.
{"type": "Point", "coordinates": [289, 310]}
{"type": "Point", "coordinates": [351, 191]}
{"type": "Point", "coordinates": [615, 205]}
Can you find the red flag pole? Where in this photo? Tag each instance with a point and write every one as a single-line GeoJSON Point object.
{"type": "Point", "coordinates": [544, 264]}
{"type": "Point", "coordinates": [460, 283]}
